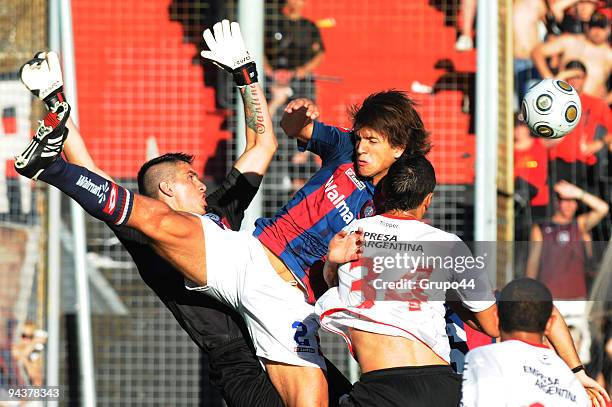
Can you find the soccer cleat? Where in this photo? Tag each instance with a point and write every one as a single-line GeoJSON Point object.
{"type": "Point", "coordinates": [47, 143]}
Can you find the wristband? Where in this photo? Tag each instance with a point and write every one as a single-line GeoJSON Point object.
{"type": "Point", "coordinates": [245, 75]}
{"type": "Point", "coordinates": [578, 368]}
{"type": "Point", "coordinates": [55, 98]}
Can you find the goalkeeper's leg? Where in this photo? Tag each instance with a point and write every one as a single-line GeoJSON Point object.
{"type": "Point", "coordinates": [176, 236]}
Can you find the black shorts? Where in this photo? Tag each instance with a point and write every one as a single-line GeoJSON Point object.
{"type": "Point", "coordinates": [422, 386]}
{"type": "Point", "coordinates": [338, 386]}
{"type": "Point", "coordinates": [237, 373]}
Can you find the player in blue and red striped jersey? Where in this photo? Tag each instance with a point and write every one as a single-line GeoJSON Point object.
{"type": "Point", "coordinates": [385, 126]}
{"type": "Point", "coordinates": [296, 238]}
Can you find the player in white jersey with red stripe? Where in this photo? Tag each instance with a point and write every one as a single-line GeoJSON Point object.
{"type": "Point", "coordinates": [400, 341]}
{"type": "Point", "coordinates": [395, 331]}
{"type": "Point", "coordinates": [521, 370]}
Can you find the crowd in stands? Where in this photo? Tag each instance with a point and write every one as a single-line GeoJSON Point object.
{"type": "Point", "coordinates": [293, 50]}
{"type": "Point", "coordinates": [563, 187]}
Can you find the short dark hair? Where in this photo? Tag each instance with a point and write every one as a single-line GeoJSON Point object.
{"type": "Point", "coordinates": [409, 180]}
{"type": "Point", "coordinates": [598, 19]}
{"type": "Point", "coordinates": [575, 64]}
{"type": "Point", "coordinates": [392, 113]}
{"type": "Point", "coordinates": [147, 183]}
{"type": "Point", "coordinates": [524, 305]}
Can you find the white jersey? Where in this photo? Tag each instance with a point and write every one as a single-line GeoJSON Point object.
{"type": "Point", "coordinates": [386, 294]}
{"type": "Point", "coordinates": [518, 374]}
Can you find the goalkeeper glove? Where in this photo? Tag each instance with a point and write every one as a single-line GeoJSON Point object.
{"type": "Point", "coordinates": [227, 50]}
{"type": "Point", "coordinates": [42, 75]}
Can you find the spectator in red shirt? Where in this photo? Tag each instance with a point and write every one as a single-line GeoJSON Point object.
{"type": "Point", "coordinates": [575, 154]}
{"type": "Point", "coordinates": [531, 194]}
{"type": "Point", "coordinates": [531, 166]}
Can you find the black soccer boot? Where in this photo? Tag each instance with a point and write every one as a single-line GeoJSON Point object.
{"type": "Point", "coordinates": [47, 143]}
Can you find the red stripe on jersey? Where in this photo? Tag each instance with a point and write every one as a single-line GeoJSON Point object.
{"type": "Point", "coordinates": [308, 212]}
{"type": "Point", "coordinates": [537, 345]}
{"type": "Point", "coordinates": [406, 217]}
{"type": "Point", "coordinates": [476, 338]}
{"type": "Point", "coordinates": [337, 331]}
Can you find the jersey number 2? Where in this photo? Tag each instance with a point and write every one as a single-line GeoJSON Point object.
{"type": "Point", "coordinates": [300, 331]}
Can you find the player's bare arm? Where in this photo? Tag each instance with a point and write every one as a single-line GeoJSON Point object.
{"type": "Point", "coordinates": [488, 321]}
{"type": "Point", "coordinates": [535, 252]}
{"type": "Point", "coordinates": [545, 50]}
{"type": "Point", "coordinates": [344, 247]}
{"type": "Point", "coordinates": [330, 274]}
{"type": "Point", "coordinates": [261, 140]}
{"type": "Point", "coordinates": [485, 321]}
{"type": "Point", "coordinates": [297, 121]}
{"type": "Point", "coordinates": [311, 65]}
{"type": "Point", "coordinates": [227, 50]}
{"type": "Point", "coordinates": [558, 8]}
{"type": "Point", "coordinates": [561, 340]}
{"type": "Point", "coordinates": [598, 207]}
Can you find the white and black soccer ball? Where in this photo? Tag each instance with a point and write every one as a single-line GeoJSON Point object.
{"type": "Point", "coordinates": [551, 108]}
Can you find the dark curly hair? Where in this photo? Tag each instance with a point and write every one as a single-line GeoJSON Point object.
{"type": "Point", "coordinates": [392, 113]}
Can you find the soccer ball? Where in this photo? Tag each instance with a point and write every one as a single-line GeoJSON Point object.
{"type": "Point", "coordinates": [551, 108]}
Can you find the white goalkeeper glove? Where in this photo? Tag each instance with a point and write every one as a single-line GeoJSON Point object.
{"type": "Point", "coordinates": [227, 50]}
{"type": "Point", "coordinates": [42, 75]}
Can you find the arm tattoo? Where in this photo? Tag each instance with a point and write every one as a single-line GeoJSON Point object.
{"type": "Point", "coordinates": [253, 109]}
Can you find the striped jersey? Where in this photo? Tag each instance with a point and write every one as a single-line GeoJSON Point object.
{"type": "Point", "coordinates": [333, 197]}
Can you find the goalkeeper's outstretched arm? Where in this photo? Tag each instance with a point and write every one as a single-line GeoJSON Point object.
{"type": "Point", "coordinates": [227, 50]}
{"type": "Point", "coordinates": [261, 140]}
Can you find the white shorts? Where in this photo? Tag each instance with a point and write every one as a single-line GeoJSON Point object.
{"type": "Point", "coordinates": [283, 326]}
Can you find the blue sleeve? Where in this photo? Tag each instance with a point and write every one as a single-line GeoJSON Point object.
{"type": "Point", "coordinates": [329, 142]}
